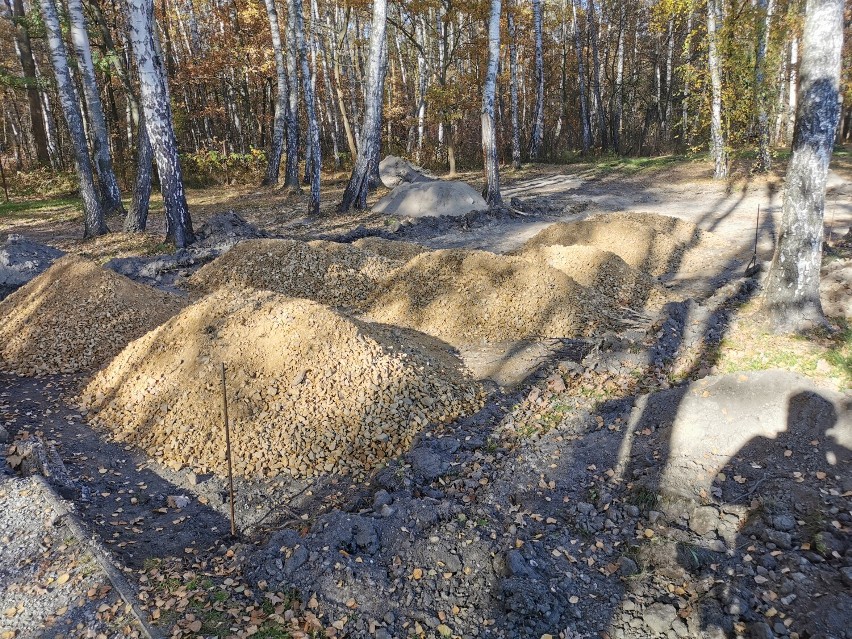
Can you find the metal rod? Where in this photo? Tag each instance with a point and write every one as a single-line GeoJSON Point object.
{"type": "Point", "coordinates": [228, 451]}
{"type": "Point", "coordinates": [757, 229]}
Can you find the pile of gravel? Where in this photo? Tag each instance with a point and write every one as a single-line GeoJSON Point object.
{"type": "Point", "coordinates": [21, 260]}
{"type": "Point", "coordinates": [76, 316]}
{"type": "Point", "coordinates": [311, 390]}
{"type": "Point", "coordinates": [466, 297]}
{"type": "Point", "coordinates": [328, 272]}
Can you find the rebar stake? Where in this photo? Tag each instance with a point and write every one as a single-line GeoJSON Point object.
{"type": "Point", "coordinates": [228, 451]}
{"type": "Point", "coordinates": [753, 265]}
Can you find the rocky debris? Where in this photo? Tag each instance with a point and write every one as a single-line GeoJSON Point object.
{"type": "Point", "coordinates": [22, 259]}
{"type": "Point", "coordinates": [31, 455]}
{"type": "Point", "coordinates": [76, 316]}
{"type": "Point", "coordinates": [394, 170]}
{"type": "Point", "coordinates": [471, 296]}
{"type": "Point", "coordinates": [216, 236]}
{"type": "Point", "coordinates": [606, 274]}
{"type": "Point", "coordinates": [392, 249]}
{"type": "Point", "coordinates": [651, 243]}
{"type": "Point", "coordinates": [311, 391]}
{"type": "Point", "coordinates": [430, 199]}
{"type": "Point", "coordinates": [550, 205]}
{"type": "Point", "coordinates": [331, 273]}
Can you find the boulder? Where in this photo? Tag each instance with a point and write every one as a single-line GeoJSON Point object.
{"type": "Point", "coordinates": [431, 199]}
{"type": "Point", "coordinates": [393, 171]}
{"type": "Point", "coordinates": [21, 260]}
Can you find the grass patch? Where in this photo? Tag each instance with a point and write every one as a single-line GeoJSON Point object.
{"type": "Point", "coordinates": [18, 210]}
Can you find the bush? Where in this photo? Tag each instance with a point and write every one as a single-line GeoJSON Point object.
{"type": "Point", "coordinates": [211, 167]}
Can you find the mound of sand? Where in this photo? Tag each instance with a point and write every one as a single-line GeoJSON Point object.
{"type": "Point", "coordinates": [328, 272]}
{"type": "Point", "coordinates": [391, 249]}
{"type": "Point", "coordinates": [634, 237]}
{"type": "Point", "coordinates": [466, 297]}
{"type": "Point", "coordinates": [76, 316]}
{"type": "Point", "coordinates": [603, 273]}
{"type": "Point", "coordinates": [310, 390]}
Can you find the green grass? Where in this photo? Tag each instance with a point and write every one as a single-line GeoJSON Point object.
{"type": "Point", "coordinates": [15, 209]}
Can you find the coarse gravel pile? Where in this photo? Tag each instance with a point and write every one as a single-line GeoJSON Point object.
{"type": "Point", "coordinates": [391, 249]}
{"type": "Point", "coordinates": [645, 241]}
{"type": "Point", "coordinates": [76, 316]}
{"type": "Point", "coordinates": [602, 272]}
{"type": "Point", "coordinates": [466, 297]}
{"type": "Point", "coordinates": [311, 390]}
{"type": "Point", "coordinates": [328, 272]}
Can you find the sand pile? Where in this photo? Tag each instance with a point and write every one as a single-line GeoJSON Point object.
{"type": "Point", "coordinates": [310, 389]}
{"type": "Point", "coordinates": [391, 249]}
{"type": "Point", "coordinates": [465, 297]}
{"type": "Point", "coordinates": [603, 273]}
{"type": "Point", "coordinates": [635, 238]}
{"type": "Point", "coordinates": [76, 316]}
{"type": "Point", "coordinates": [328, 272]}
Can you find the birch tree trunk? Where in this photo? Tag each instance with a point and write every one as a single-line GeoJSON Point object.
{"type": "Point", "coordinates": [717, 138]}
{"type": "Point", "coordinates": [137, 215]}
{"type": "Point", "coordinates": [792, 284]}
{"type": "Point", "coordinates": [315, 155]}
{"type": "Point", "coordinates": [537, 134]}
{"type": "Point", "coordinates": [764, 18]}
{"type": "Point", "coordinates": [110, 193]}
{"type": "Point", "coordinates": [291, 169]}
{"type": "Point", "coordinates": [359, 183]}
{"type": "Point", "coordinates": [279, 123]}
{"type": "Point", "coordinates": [619, 85]}
{"type": "Point", "coordinates": [513, 87]}
{"type": "Point", "coordinates": [792, 88]}
{"type": "Point", "coordinates": [596, 76]}
{"type": "Point", "coordinates": [489, 133]}
{"type": "Point", "coordinates": [585, 125]}
{"type": "Point", "coordinates": [158, 121]}
{"type": "Point", "coordinates": [93, 215]}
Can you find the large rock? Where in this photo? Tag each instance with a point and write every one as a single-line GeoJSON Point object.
{"type": "Point", "coordinates": [393, 171]}
{"type": "Point", "coordinates": [21, 260]}
{"type": "Point", "coordinates": [431, 199]}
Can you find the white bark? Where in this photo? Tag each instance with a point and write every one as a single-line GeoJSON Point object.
{"type": "Point", "coordinates": [717, 138]}
{"type": "Point", "coordinates": [537, 134]}
{"type": "Point", "coordinates": [279, 123]}
{"type": "Point", "coordinates": [489, 134]}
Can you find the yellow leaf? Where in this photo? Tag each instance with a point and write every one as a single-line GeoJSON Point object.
{"type": "Point", "coordinates": [63, 579]}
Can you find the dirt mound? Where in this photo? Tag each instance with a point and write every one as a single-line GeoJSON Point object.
{"type": "Point", "coordinates": [465, 297]}
{"type": "Point", "coordinates": [391, 249]}
{"type": "Point", "coordinates": [310, 389]}
{"type": "Point", "coordinates": [634, 237]}
{"type": "Point", "coordinates": [604, 273]}
{"type": "Point", "coordinates": [328, 272]}
{"type": "Point", "coordinates": [76, 316]}
{"type": "Point", "coordinates": [21, 260]}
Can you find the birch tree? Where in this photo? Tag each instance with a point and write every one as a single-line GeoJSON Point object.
{"type": "Point", "coordinates": [764, 20]}
{"type": "Point", "coordinates": [93, 216]}
{"type": "Point", "coordinates": [291, 168]}
{"type": "Point", "coordinates": [585, 125]}
{"type": "Point", "coordinates": [717, 138]}
{"type": "Point", "coordinates": [110, 193]}
{"type": "Point", "coordinates": [537, 135]}
{"type": "Point", "coordinates": [513, 88]}
{"type": "Point", "coordinates": [792, 284]}
{"type": "Point", "coordinates": [315, 154]}
{"type": "Point", "coordinates": [489, 132]}
{"type": "Point", "coordinates": [158, 121]}
{"type": "Point", "coordinates": [279, 122]}
{"type": "Point", "coordinates": [359, 182]}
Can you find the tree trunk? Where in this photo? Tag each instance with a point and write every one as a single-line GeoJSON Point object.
{"type": "Point", "coordinates": [291, 168]}
{"type": "Point", "coordinates": [358, 186]}
{"type": "Point", "coordinates": [489, 133]}
{"type": "Point", "coordinates": [110, 193]}
{"type": "Point", "coordinates": [717, 139]}
{"type": "Point", "coordinates": [25, 55]}
{"type": "Point", "coordinates": [764, 18]}
{"type": "Point", "coordinates": [585, 125]}
{"type": "Point", "coordinates": [596, 76]}
{"type": "Point", "coordinates": [792, 284]}
{"type": "Point", "coordinates": [792, 88]}
{"type": "Point", "coordinates": [279, 125]}
{"type": "Point", "coordinates": [513, 84]}
{"type": "Point", "coordinates": [315, 155]}
{"type": "Point", "coordinates": [619, 85]}
{"type": "Point", "coordinates": [93, 223]}
{"type": "Point", "coordinates": [137, 215]}
{"type": "Point", "coordinates": [158, 121]}
{"type": "Point", "coordinates": [537, 134]}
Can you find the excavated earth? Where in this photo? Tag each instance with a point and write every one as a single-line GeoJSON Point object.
{"type": "Point", "coordinates": [401, 496]}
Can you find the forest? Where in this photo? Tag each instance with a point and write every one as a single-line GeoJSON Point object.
{"type": "Point", "coordinates": [247, 86]}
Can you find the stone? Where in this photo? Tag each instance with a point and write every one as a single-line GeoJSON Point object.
{"type": "Point", "coordinates": [518, 566]}
{"type": "Point", "coordinates": [5, 438]}
{"type": "Point", "coordinates": [781, 539]}
{"type": "Point", "coordinates": [296, 560]}
{"type": "Point", "coordinates": [22, 259]}
{"type": "Point", "coordinates": [658, 617]}
{"type": "Point", "coordinates": [784, 523]}
{"type": "Point", "coordinates": [427, 464]}
{"type": "Point", "coordinates": [431, 199]}
{"type": "Point", "coordinates": [761, 630]}
{"type": "Point", "coordinates": [394, 170]}
{"type": "Point", "coordinates": [704, 520]}
{"type": "Point", "coordinates": [627, 567]}
{"type": "Point", "coordinates": [846, 576]}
